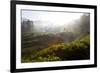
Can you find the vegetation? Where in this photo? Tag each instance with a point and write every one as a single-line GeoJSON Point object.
{"type": "Point", "coordinates": [75, 50]}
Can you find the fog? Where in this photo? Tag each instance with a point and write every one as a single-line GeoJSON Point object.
{"type": "Point", "coordinates": [54, 22]}
{"type": "Point", "coordinates": [56, 18]}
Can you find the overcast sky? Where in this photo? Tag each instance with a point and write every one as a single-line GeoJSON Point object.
{"type": "Point", "coordinates": [57, 18]}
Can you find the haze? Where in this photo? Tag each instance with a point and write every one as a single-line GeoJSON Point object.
{"type": "Point", "coordinates": [56, 18]}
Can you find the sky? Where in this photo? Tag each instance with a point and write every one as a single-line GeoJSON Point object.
{"type": "Point", "coordinates": [56, 18]}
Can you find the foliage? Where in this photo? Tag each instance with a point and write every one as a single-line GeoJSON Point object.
{"type": "Point", "coordinates": [48, 58]}
{"type": "Point", "coordinates": [75, 50]}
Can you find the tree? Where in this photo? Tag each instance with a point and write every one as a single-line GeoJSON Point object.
{"type": "Point", "coordinates": [27, 26]}
{"type": "Point", "coordinates": [85, 23]}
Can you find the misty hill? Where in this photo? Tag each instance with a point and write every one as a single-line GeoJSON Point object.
{"type": "Point", "coordinates": [40, 36]}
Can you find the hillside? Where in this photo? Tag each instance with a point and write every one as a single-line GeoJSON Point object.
{"type": "Point", "coordinates": [78, 49]}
